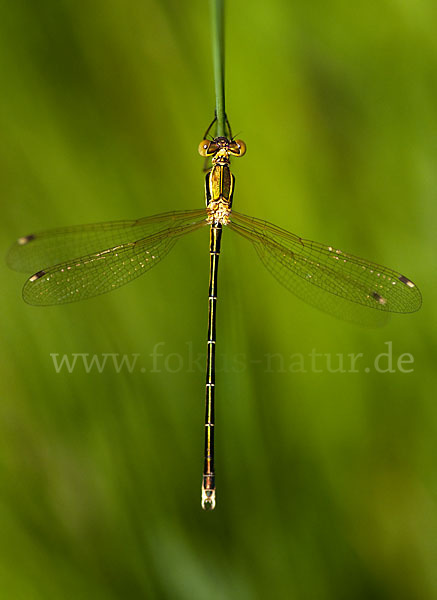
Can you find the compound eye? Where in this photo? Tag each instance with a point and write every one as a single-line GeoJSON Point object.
{"type": "Point", "coordinates": [237, 147]}
{"type": "Point", "coordinates": [207, 148]}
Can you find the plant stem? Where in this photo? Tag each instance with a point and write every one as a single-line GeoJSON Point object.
{"type": "Point", "coordinates": [218, 48]}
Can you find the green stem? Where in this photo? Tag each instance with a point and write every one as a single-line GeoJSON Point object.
{"type": "Point", "coordinates": [218, 48]}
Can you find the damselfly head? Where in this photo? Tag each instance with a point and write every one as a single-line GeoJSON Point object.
{"type": "Point", "coordinates": [211, 147]}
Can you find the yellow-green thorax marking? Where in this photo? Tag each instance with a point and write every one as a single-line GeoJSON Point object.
{"type": "Point", "coordinates": [219, 181]}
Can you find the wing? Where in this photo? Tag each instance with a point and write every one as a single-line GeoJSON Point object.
{"type": "Point", "coordinates": [32, 252]}
{"type": "Point", "coordinates": [326, 277]}
{"type": "Point", "coordinates": [94, 259]}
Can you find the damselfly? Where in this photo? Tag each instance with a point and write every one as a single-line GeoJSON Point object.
{"type": "Point", "coordinates": [74, 263]}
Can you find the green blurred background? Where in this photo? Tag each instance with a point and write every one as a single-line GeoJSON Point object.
{"type": "Point", "coordinates": [326, 480]}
